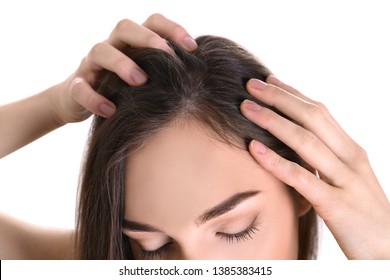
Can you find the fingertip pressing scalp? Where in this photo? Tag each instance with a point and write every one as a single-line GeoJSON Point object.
{"type": "Point", "coordinates": [258, 147]}
{"type": "Point", "coordinates": [207, 86]}
{"type": "Point", "coordinates": [106, 110]}
{"type": "Point", "coordinates": [190, 43]}
{"type": "Point", "coordinates": [257, 84]}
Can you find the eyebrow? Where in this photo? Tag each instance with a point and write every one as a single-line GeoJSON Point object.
{"type": "Point", "coordinates": [225, 206]}
{"type": "Point", "coordinates": [135, 226]}
{"type": "Point", "coordinates": [212, 213]}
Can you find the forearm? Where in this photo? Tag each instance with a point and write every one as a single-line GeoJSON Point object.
{"type": "Point", "coordinates": [20, 240]}
{"type": "Point", "coordinates": [26, 120]}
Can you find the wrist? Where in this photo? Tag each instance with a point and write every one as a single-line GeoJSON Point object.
{"type": "Point", "coordinates": [55, 104]}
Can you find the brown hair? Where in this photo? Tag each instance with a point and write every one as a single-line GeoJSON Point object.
{"type": "Point", "coordinates": [207, 86]}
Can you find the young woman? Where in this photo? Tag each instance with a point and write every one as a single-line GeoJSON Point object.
{"type": "Point", "coordinates": [171, 170]}
{"type": "Point", "coordinates": [168, 174]}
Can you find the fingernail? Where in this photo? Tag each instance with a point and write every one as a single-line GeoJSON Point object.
{"type": "Point", "coordinates": [250, 105]}
{"type": "Point", "coordinates": [139, 76]}
{"type": "Point", "coordinates": [257, 84]}
{"type": "Point", "coordinates": [106, 110]}
{"type": "Point", "coordinates": [190, 43]}
{"type": "Point", "coordinates": [259, 147]}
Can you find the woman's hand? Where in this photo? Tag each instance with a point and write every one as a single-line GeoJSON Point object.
{"type": "Point", "coordinates": [76, 99]}
{"type": "Point", "coordinates": [346, 194]}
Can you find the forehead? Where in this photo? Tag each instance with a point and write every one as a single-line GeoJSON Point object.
{"type": "Point", "coordinates": [183, 170]}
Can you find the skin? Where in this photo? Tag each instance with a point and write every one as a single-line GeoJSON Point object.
{"type": "Point", "coordinates": [347, 195]}
{"type": "Point", "coordinates": [172, 204]}
{"type": "Point", "coordinates": [21, 240]}
{"type": "Point", "coordinates": [74, 100]}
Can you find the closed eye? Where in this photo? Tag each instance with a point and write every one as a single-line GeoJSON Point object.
{"type": "Point", "coordinates": [243, 235]}
{"type": "Point", "coordinates": [160, 253]}
{"type": "Point", "coordinates": [157, 254]}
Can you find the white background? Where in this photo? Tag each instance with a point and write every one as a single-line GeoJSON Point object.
{"type": "Point", "coordinates": [336, 52]}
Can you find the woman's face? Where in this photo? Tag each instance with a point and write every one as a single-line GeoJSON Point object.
{"type": "Point", "coordinates": [190, 196]}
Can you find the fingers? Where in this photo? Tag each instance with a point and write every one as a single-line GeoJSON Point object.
{"type": "Point", "coordinates": [84, 94]}
{"type": "Point", "coordinates": [171, 30]}
{"type": "Point", "coordinates": [151, 34]}
{"type": "Point", "coordinates": [276, 82]}
{"type": "Point", "coordinates": [130, 33]}
{"type": "Point", "coordinates": [311, 116]}
{"type": "Point", "coordinates": [108, 55]}
{"type": "Point", "coordinates": [349, 197]}
{"type": "Point", "coordinates": [306, 183]}
{"type": "Point", "coordinates": [105, 56]}
{"type": "Point", "coordinates": [302, 141]}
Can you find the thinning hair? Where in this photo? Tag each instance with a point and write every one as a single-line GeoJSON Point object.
{"type": "Point", "coordinates": [206, 86]}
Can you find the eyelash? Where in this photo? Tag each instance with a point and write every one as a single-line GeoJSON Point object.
{"type": "Point", "coordinates": [244, 235]}
{"type": "Point", "coordinates": [155, 254]}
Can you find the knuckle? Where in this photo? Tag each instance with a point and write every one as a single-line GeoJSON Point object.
{"type": "Point", "coordinates": [154, 41]}
{"type": "Point", "coordinates": [122, 25]}
{"type": "Point", "coordinates": [301, 178]}
{"type": "Point", "coordinates": [318, 109]}
{"type": "Point", "coordinates": [97, 49]}
{"type": "Point", "coordinates": [314, 109]}
{"type": "Point", "coordinates": [275, 90]}
{"type": "Point", "coordinates": [274, 93]}
{"type": "Point", "coordinates": [359, 154]}
{"type": "Point", "coordinates": [75, 86]}
{"type": "Point", "coordinates": [355, 156]}
{"type": "Point", "coordinates": [323, 109]}
{"type": "Point", "coordinates": [321, 106]}
{"type": "Point", "coordinates": [308, 138]}
{"type": "Point", "coordinates": [275, 161]}
{"type": "Point", "coordinates": [154, 18]}
{"type": "Point", "coordinates": [289, 172]}
{"type": "Point", "coordinates": [268, 117]}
